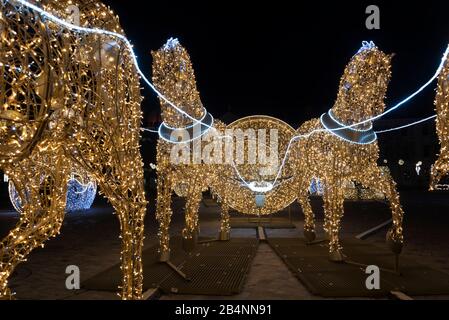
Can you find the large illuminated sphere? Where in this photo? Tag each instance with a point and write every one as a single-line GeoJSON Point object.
{"type": "Point", "coordinates": [260, 196]}
{"type": "Point", "coordinates": [81, 192]}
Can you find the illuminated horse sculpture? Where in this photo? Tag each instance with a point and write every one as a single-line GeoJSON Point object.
{"type": "Point", "coordinates": [322, 155]}
{"type": "Point", "coordinates": [349, 152]}
{"type": "Point", "coordinates": [194, 157]}
{"type": "Point", "coordinates": [68, 98]}
{"type": "Point", "coordinates": [441, 167]}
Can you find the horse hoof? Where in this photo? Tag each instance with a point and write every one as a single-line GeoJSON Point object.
{"type": "Point", "coordinates": [336, 256]}
{"type": "Point", "coordinates": [189, 244]}
{"type": "Point", "coordinates": [310, 236]}
{"type": "Point", "coordinates": [394, 245]}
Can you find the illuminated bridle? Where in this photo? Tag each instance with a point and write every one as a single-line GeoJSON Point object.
{"type": "Point", "coordinates": [351, 135]}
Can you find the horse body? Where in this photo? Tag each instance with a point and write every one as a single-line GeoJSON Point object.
{"type": "Point", "coordinates": [348, 151]}
{"type": "Point", "coordinates": [69, 99]}
{"type": "Point", "coordinates": [335, 162]}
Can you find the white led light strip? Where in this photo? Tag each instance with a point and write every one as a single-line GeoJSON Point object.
{"type": "Point", "coordinates": [134, 57]}
{"type": "Point", "coordinates": [407, 125]}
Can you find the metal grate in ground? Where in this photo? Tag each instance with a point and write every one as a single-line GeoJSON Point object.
{"type": "Point", "coordinates": [311, 266]}
{"type": "Point", "coordinates": [215, 268]}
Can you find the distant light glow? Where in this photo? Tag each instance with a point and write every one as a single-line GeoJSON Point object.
{"type": "Point", "coordinates": [418, 168]}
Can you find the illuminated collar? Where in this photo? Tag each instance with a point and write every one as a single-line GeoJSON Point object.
{"type": "Point", "coordinates": [344, 132]}
{"type": "Point", "coordinates": [187, 134]}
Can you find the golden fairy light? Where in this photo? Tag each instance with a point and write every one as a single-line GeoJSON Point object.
{"type": "Point", "coordinates": [69, 99]}
{"type": "Point", "coordinates": [441, 167]}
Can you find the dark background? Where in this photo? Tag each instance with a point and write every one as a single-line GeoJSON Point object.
{"type": "Point", "coordinates": [285, 59]}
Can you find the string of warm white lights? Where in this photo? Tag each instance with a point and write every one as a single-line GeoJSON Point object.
{"type": "Point", "coordinates": [209, 126]}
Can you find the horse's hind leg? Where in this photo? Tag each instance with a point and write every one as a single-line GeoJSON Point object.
{"type": "Point", "coordinates": [41, 219]}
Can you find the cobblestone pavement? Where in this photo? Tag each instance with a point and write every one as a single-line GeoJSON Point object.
{"type": "Point", "coordinates": [91, 241]}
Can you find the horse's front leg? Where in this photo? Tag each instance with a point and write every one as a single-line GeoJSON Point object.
{"type": "Point", "coordinates": [191, 229]}
{"type": "Point", "coordinates": [333, 210]}
{"type": "Point", "coordinates": [309, 216]}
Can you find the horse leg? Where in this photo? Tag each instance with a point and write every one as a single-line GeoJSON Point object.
{"type": "Point", "coordinates": [190, 231]}
{"type": "Point", "coordinates": [41, 219]}
{"type": "Point", "coordinates": [382, 182]}
{"type": "Point", "coordinates": [333, 209]}
{"type": "Point", "coordinates": [309, 216]}
{"type": "Point", "coordinates": [225, 226]}
{"type": "Point", "coordinates": [164, 214]}
{"type": "Point", "coordinates": [437, 173]}
{"type": "Point", "coordinates": [127, 196]}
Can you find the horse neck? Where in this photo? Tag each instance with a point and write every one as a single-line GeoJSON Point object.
{"type": "Point", "coordinates": [349, 114]}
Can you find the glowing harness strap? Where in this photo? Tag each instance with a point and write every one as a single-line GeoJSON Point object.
{"type": "Point", "coordinates": [343, 132]}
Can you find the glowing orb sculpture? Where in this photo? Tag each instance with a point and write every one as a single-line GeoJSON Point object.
{"type": "Point", "coordinates": [244, 184]}
{"type": "Point", "coordinates": [80, 194]}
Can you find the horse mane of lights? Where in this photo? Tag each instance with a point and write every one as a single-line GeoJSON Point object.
{"type": "Point", "coordinates": [45, 128]}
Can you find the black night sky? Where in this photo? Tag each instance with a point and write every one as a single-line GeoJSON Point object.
{"type": "Point", "coordinates": [285, 59]}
